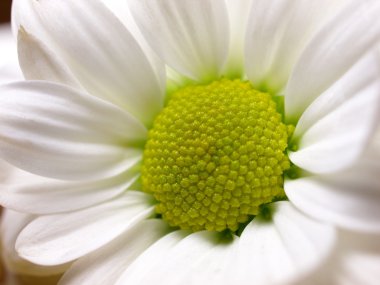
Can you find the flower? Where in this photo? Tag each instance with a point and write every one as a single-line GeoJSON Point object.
{"type": "Point", "coordinates": [81, 122]}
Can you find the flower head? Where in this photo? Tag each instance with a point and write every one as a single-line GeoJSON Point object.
{"type": "Point", "coordinates": [215, 139]}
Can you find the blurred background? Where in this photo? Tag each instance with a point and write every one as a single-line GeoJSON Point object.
{"type": "Point", "coordinates": [5, 8]}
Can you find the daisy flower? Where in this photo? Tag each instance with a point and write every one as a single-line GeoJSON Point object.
{"type": "Point", "coordinates": [226, 142]}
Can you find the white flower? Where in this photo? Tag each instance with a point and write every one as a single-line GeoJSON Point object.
{"type": "Point", "coordinates": [84, 133]}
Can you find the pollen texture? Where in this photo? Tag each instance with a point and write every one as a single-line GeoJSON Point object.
{"type": "Point", "coordinates": [215, 154]}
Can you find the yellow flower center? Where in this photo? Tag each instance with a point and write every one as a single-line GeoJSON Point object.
{"type": "Point", "coordinates": [214, 155]}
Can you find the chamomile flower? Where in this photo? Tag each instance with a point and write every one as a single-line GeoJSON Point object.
{"type": "Point", "coordinates": [199, 141]}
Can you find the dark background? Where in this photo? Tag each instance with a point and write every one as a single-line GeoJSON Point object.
{"type": "Point", "coordinates": [5, 10]}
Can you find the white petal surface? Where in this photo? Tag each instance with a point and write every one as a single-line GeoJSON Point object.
{"type": "Point", "coordinates": [327, 56]}
{"type": "Point", "coordinates": [238, 12]}
{"type": "Point", "coordinates": [276, 36]}
{"type": "Point", "coordinates": [337, 200]}
{"type": "Point", "coordinates": [38, 62]}
{"type": "Point", "coordinates": [349, 198]}
{"type": "Point", "coordinates": [199, 258]}
{"type": "Point", "coordinates": [11, 225]}
{"type": "Point", "coordinates": [122, 11]}
{"type": "Point", "coordinates": [359, 259]}
{"type": "Point", "coordinates": [281, 251]}
{"type": "Point", "coordinates": [98, 49]}
{"type": "Point", "coordinates": [104, 266]}
{"type": "Point", "coordinates": [30, 193]}
{"type": "Point", "coordinates": [355, 260]}
{"type": "Point", "coordinates": [364, 74]}
{"type": "Point", "coordinates": [150, 259]}
{"type": "Point", "coordinates": [190, 36]}
{"type": "Point", "coordinates": [9, 68]}
{"type": "Point", "coordinates": [57, 239]}
{"type": "Point", "coordinates": [337, 140]}
{"type": "Point", "coordinates": [57, 132]}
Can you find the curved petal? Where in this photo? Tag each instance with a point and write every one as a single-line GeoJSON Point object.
{"type": "Point", "coordinates": [355, 260]}
{"type": "Point", "coordinates": [327, 56]}
{"type": "Point", "coordinates": [9, 68]}
{"type": "Point", "coordinates": [104, 266]}
{"type": "Point", "coordinates": [337, 140]}
{"type": "Point", "coordinates": [276, 36]}
{"type": "Point", "coordinates": [12, 224]}
{"type": "Point", "coordinates": [238, 12]}
{"type": "Point", "coordinates": [349, 198]}
{"type": "Point", "coordinates": [5, 171]}
{"type": "Point", "coordinates": [38, 62]}
{"type": "Point", "coordinates": [365, 73]}
{"type": "Point", "coordinates": [54, 131]}
{"type": "Point", "coordinates": [57, 239]}
{"type": "Point", "coordinates": [190, 36]}
{"type": "Point", "coordinates": [122, 11]}
{"type": "Point", "coordinates": [151, 258]}
{"type": "Point", "coordinates": [330, 134]}
{"type": "Point", "coordinates": [336, 200]}
{"type": "Point", "coordinates": [284, 250]}
{"type": "Point", "coordinates": [26, 192]}
{"type": "Point", "coordinates": [98, 49]}
{"type": "Point", "coordinates": [359, 260]}
{"type": "Point", "coordinates": [199, 258]}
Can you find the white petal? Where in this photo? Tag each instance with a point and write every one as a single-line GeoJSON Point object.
{"type": "Point", "coordinates": [238, 12]}
{"type": "Point", "coordinates": [152, 258]}
{"type": "Point", "coordinates": [9, 69]}
{"type": "Point", "coordinates": [57, 132]}
{"type": "Point", "coordinates": [11, 225]}
{"type": "Point", "coordinates": [5, 171]}
{"type": "Point", "coordinates": [359, 259]}
{"type": "Point", "coordinates": [190, 36]}
{"type": "Point", "coordinates": [57, 239]}
{"type": "Point", "coordinates": [349, 198]}
{"type": "Point", "coordinates": [276, 36]}
{"type": "Point", "coordinates": [210, 267]}
{"type": "Point", "coordinates": [38, 62]}
{"type": "Point", "coordinates": [122, 11]}
{"type": "Point", "coordinates": [104, 266]}
{"type": "Point", "coordinates": [336, 47]}
{"type": "Point", "coordinates": [8, 46]}
{"type": "Point", "coordinates": [26, 192]}
{"type": "Point", "coordinates": [338, 138]}
{"type": "Point", "coordinates": [365, 73]}
{"type": "Point", "coordinates": [281, 251]}
{"type": "Point", "coordinates": [98, 49]}
{"type": "Point", "coordinates": [199, 258]}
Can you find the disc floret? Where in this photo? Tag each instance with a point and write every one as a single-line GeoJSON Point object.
{"type": "Point", "coordinates": [214, 155]}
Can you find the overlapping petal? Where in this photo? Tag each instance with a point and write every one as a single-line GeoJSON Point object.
{"type": "Point", "coordinates": [38, 62]}
{"type": "Point", "coordinates": [238, 12]}
{"type": "Point", "coordinates": [12, 224]}
{"type": "Point", "coordinates": [73, 235]}
{"type": "Point", "coordinates": [331, 134]}
{"type": "Point", "coordinates": [98, 49]}
{"type": "Point", "coordinates": [190, 36]}
{"type": "Point", "coordinates": [277, 35]}
{"type": "Point", "coordinates": [349, 198]}
{"type": "Point", "coordinates": [205, 253]}
{"type": "Point", "coordinates": [105, 265]}
{"type": "Point", "coordinates": [55, 131]}
{"type": "Point", "coordinates": [339, 45]}
{"type": "Point", "coordinates": [283, 250]}
{"type": "Point", "coordinates": [30, 193]}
